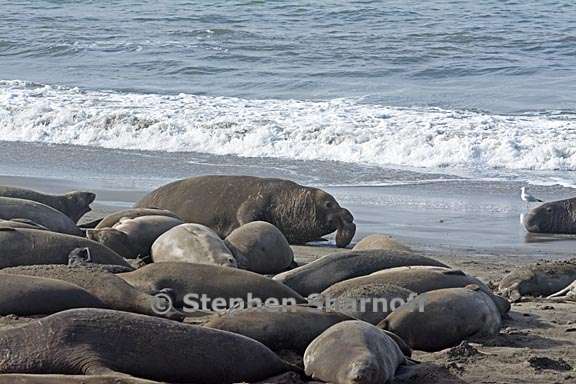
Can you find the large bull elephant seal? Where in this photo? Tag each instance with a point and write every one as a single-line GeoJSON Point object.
{"type": "Point", "coordinates": [209, 280]}
{"type": "Point", "coordinates": [32, 246]}
{"type": "Point", "coordinates": [105, 342]}
{"type": "Point", "coordinates": [353, 352]}
{"type": "Point", "coordinates": [553, 217]}
{"type": "Point", "coordinates": [318, 275]}
{"type": "Point", "coordinates": [539, 279]}
{"type": "Point", "coordinates": [443, 318]}
{"type": "Point", "coordinates": [26, 295]}
{"type": "Point", "coordinates": [72, 204]}
{"type": "Point", "coordinates": [192, 243]}
{"type": "Point", "coordinates": [224, 203]}
{"type": "Point", "coordinates": [12, 208]}
{"type": "Point", "coordinates": [113, 291]}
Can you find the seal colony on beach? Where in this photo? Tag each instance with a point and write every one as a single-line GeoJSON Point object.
{"type": "Point", "coordinates": [131, 297]}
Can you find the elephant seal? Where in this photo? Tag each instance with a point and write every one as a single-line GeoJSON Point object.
{"type": "Point", "coordinates": [25, 296]}
{"type": "Point", "coordinates": [15, 378]}
{"type": "Point", "coordinates": [113, 291]}
{"type": "Point", "coordinates": [260, 247]}
{"type": "Point", "coordinates": [143, 231]}
{"type": "Point", "coordinates": [553, 217]}
{"type": "Point", "coordinates": [443, 318]}
{"type": "Point", "coordinates": [21, 223]}
{"type": "Point", "coordinates": [380, 241]}
{"type": "Point", "coordinates": [422, 279]}
{"type": "Point", "coordinates": [12, 208]}
{"type": "Point", "coordinates": [132, 213]}
{"type": "Point", "coordinates": [73, 204]}
{"type": "Point", "coordinates": [211, 281]}
{"type": "Point", "coordinates": [539, 279]}
{"type": "Point", "coordinates": [330, 269]}
{"type": "Point", "coordinates": [113, 239]}
{"type": "Point", "coordinates": [32, 246]}
{"type": "Point", "coordinates": [192, 243]}
{"type": "Point", "coordinates": [81, 257]}
{"type": "Point", "coordinates": [352, 352]}
{"type": "Point", "coordinates": [365, 300]}
{"type": "Point", "coordinates": [107, 342]}
{"type": "Point", "coordinates": [224, 203]}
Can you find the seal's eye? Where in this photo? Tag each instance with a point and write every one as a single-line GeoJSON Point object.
{"type": "Point", "coordinates": [549, 210]}
{"type": "Point", "coordinates": [329, 204]}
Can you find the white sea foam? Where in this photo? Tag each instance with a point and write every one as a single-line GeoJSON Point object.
{"type": "Point", "coordinates": [339, 129]}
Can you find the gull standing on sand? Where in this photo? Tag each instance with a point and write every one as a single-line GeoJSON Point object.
{"type": "Point", "coordinates": [528, 198]}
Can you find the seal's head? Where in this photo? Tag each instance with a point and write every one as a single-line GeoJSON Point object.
{"type": "Point", "coordinates": [77, 204]}
{"type": "Point", "coordinates": [554, 217]}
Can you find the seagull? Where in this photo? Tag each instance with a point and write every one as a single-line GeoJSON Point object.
{"type": "Point", "coordinates": [528, 198]}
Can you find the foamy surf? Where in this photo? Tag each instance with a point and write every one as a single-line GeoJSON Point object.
{"type": "Point", "coordinates": [344, 130]}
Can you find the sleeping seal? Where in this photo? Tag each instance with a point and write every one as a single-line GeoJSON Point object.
{"type": "Point", "coordinates": [106, 342]}
{"type": "Point", "coordinates": [72, 204]}
{"type": "Point", "coordinates": [224, 203]}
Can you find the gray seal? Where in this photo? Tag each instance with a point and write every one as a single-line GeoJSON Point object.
{"type": "Point", "coordinates": [553, 217]}
{"type": "Point", "coordinates": [443, 318]}
{"type": "Point", "coordinates": [328, 270]}
{"type": "Point", "coordinates": [32, 246]}
{"type": "Point", "coordinates": [73, 204]}
{"type": "Point", "coordinates": [12, 208]}
{"type": "Point", "coordinates": [353, 352]}
{"type": "Point", "coordinates": [224, 203]}
{"type": "Point", "coordinates": [107, 342]}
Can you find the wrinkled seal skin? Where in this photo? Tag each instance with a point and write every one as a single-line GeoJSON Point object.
{"type": "Point", "coordinates": [26, 295]}
{"type": "Point", "coordinates": [212, 280]}
{"type": "Point", "coordinates": [73, 204]}
{"type": "Point", "coordinates": [260, 247]}
{"type": "Point", "coordinates": [553, 217]}
{"type": "Point", "coordinates": [540, 279]}
{"type": "Point", "coordinates": [101, 341]}
{"type": "Point", "coordinates": [113, 218]}
{"type": "Point", "coordinates": [32, 246]}
{"type": "Point", "coordinates": [333, 268]}
{"type": "Point", "coordinates": [192, 243]}
{"type": "Point", "coordinates": [422, 279]}
{"type": "Point", "coordinates": [353, 352]}
{"type": "Point", "coordinates": [224, 203]}
{"type": "Point", "coordinates": [113, 291]}
{"type": "Point", "coordinates": [443, 318]}
{"type": "Point", "coordinates": [12, 208]}
{"type": "Point", "coordinates": [71, 379]}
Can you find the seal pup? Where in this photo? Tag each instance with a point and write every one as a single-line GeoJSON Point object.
{"type": "Point", "coordinates": [192, 243]}
{"type": "Point", "coordinates": [26, 295]}
{"type": "Point", "coordinates": [211, 281]}
{"type": "Point", "coordinates": [32, 246]}
{"type": "Point", "coordinates": [335, 267]}
{"type": "Point", "coordinates": [539, 279]}
{"type": "Point", "coordinates": [107, 342]}
{"type": "Point", "coordinates": [224, 203]}
{"type": "Point", "coordinates": [73, 204]}
{"type": "Point", "coordinates": [553, 217]}
{"type": "Point", "coordinates": [443, 318]}
{"type": "Point", "coordinates": [12, 208]}
{"type": "Point", "coordinates": [352, 352]}
{"type": "Point", "coordinates": [260, 247]}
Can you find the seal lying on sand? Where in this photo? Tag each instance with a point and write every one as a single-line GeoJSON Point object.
{"type": "Point", "coordinates": [111, 290]}
{"type": "Point", "coordinates": [260, 247]}
{"type": "Point", "coordinates": [113, 218]}
{"type": "Point", "coordinates": [32, 246]}
{"type": "Point", "coordinates": [353, 352]}
{"type": "Point", "coordinates": [72, 204]}
{"type": "Point", "coordinates": [224, 203]}
{"type": "Point", "coordinates": [443, 318]}
{"type": "Point", "coordinates": [25, 295]}
{"type": "Point", "coordinates": [192, 243]}
{"type": "Point", "coordinates": [380, 241]}
{"type": "Point", "coordinates": [113, 239]}
{"type": "Point", "coordinates": [330, 269]}
{"type": "Point", "coordinates": [105, 342]}
{"type": "Point", "coordinates": [11, 208]}
{"type": "Point", "coordinates": [210, 280]}
{"type": "Point", "coordinates": [553, 217]}
{"type": "Point", "coordinates": [540, 279]}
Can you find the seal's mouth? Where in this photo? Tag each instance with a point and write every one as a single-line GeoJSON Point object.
{"type": "Point", "coordinates": [345, 228]}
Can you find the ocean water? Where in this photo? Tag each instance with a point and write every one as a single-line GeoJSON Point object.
{"type": "Point", "coordinates": [485, 90]}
